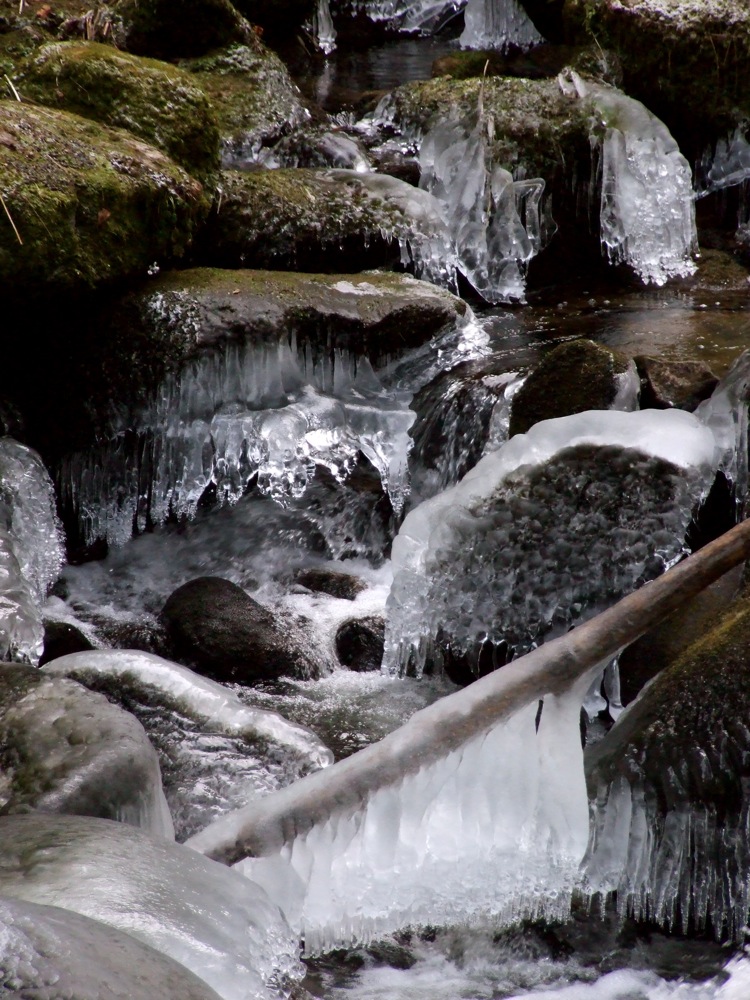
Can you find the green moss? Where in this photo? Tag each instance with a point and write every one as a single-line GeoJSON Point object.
{"type": "Point", "coordinates": [155, 101]}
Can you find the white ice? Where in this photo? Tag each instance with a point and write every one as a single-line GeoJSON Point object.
{"type": "Point", "coordinates": [322, 30]}
{"type": "Point", "coordinates": [497, 24]}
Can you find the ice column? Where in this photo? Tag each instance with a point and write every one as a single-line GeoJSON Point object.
{"type": "Point", "coordinates": [497, 24]}
{"type": "Point", "coordinates": [322, 30]}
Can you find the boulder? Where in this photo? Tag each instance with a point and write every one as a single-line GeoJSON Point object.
{"type": "Point", "coordinates": [359, 643]}
{"type": "Point", "coordinates": [324, 221]}
{"type": "Point", "coordinates": [575, 376]}
{"type": "Point", "coordinates": [159, 103]}
{"type": "Point", "coordinates": [682, 384]}
{"type": "Point", "coordinates": [46, 953]}
{"type": "Point", "coordinates": [253, 96]}
{"type": "Point", "coordinates": [191, 28]}
{"type": "Point", "coordinates": [89, 204]}
{"type": "Point", "coordinates": [328, 581]}
{"type": "Point", "coordinates": [216, 627]}
{"type": "Point", "coordinates": [61, 638]}
{"type": "Point", "coordinates": [68, 750]}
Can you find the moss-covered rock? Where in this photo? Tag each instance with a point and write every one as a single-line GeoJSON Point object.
{"type": "Point", "coordinates": [575, 376]}
{"type": "Point", "coordinates": [682, 384]}
{"type": "Point", "coordinates": [167, 30]}
{"type": "Point", "coordinates": [689, 62]}
{"type": "Point", "coordinates": [155, 101]}
{"type": "Point", "coordinates": [88, 203]}
{"type": "Point", "coordinates": [317, 220]}
{"type": "Point", "coordinates": [539, 63]}
{"type": "Point", "coordinates": [253, 96]}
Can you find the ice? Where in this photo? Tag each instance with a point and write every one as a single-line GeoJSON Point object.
{"type": "Point", "coordinates": [493, 220]}
{"type": "Point", "coordinates": [409, 16]}
{"type": "Point", "coordinates": [554, 526]}
{"type": "Point", "coordinates": [215, 923]}
{"type": "Point", "coordinates": [498, 24]}
{"type": "Point", "coordinates": [496, 827]}
{"type": "Point", "coordinates": [31, 549]}
{"type": "Point", "coordinates": [321, 28]}
{"type": "Point", "coordinates": [647, 214]}
{"type": "Point", "coordinates": [728, 166]}
{"type": "Point", "coordinates": [725, 412]}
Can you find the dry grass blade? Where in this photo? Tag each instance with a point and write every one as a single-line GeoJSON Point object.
{"type": "Point", "coordinates": [10, 219]}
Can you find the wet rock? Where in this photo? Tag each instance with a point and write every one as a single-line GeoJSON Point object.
{"type": "Point", "coordinates": [253, 96]}
{"type": "Point", "coordinates": [166, 30]}
{"type": "Point", "coordinates": [359, 643]}
{"type": "Point", "coordinates": [575, 376]}
{"type": "Point", "coordinates": [64, 749]}
{"type": "Point", "coordinates": [216, 627]}
{"type": "Point", "coordinates": [680, 384]}
{"type": "Point", "coordinates": [328, 581]}
{"type": "Point", "coordinates": [61, 638]}
{"type": "Point", "coordinates": [279, 20]}
{"type": "Point", "coordinates": [159, 103]}
{"type": "Point", "coordinates": [91, 203]}
{"type": "Point", "coordinates": [46, 954]}
{"type": "Point", "coordinates": [318, 146]}
{"type": "Point", "coordinates": [321, 221]}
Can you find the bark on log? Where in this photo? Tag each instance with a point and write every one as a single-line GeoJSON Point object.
{"type": "Point", "coordinates": [263, 827]}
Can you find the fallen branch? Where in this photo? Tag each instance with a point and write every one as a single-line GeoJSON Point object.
{"type": "Point", "coordinates": [265, 826]}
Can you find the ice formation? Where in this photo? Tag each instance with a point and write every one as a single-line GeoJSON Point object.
{"type": "Point", "coordinates": [555, 525]}
{"type": "Point", "coordinates": [725, 412]}
{"type": "Point", "coordinates": [31, 549]}
{"type": "Point", "coordinates": [647, 213]}
{"type": "Point", "coordinates": [220, 926]}
{"type": "Point", "coordinates": [321, 28]}
{"type": "Point", "coordinates": [497, 827]}
{"type": "Point", "coordinates": [409, 16]}
{"type": "Point", "coordinates": [728, 165]}
{"type": "Point", "coordinates": [497, 24]}
{"type": "Point", "coordinates": [493, 220]}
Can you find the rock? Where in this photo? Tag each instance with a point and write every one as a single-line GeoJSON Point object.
{"type": "Point", "coordinates": [61, 638]}
{"type": "Point", "coordinates": [689, 62]}
{"type": "Point", "coordinates": [159, 103]}
{"type": "Point", "coordinates": [328, 581]}
{"type": "Point", "coordinates": [68, 750]}
{"type": "Point", "coordinates": [323, 221]}
{"type": "Point", "coordinates": [216, 627]}
{"type": "Point", "coordinates": [541, 62]}
{"type": "Point", "coordinates": [253, 96]}
{"type": "Point", "coordinates": [92, 204]}
{"type": "Point", "coordinates": [359, 643]}
{"type": "Point", "coordinates": [575, 376]}
{"type": "Point", "coordinates": [682, 384]}
{"type": "Point", "coordinates": [319, 146]}
{"type": "Point", "coordinates": [675, 766]}
{"type": "Point", "coordinates": [215, 922]}
{"type": "Point", "coordinates": [166, 30]}
{"type": "Point", "coordinates": [46, 953]}
{"type": "Point", "coordinates": [279, 20]}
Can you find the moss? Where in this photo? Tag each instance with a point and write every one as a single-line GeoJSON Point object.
{"type": "Point", "coordinates": [157, 102]}
{"type": "Point", "coordinates": [91, 203]}
{"type": "Point", "coordinates": [573, 377]}
{"type": "Point", "coordinates": [166, 30]}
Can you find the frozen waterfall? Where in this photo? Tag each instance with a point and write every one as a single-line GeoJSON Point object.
{"type": "Point", "coordinates": [497, 24]}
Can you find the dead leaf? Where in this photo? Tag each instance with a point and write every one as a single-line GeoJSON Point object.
{"type": "Point", "coordinates": [104, 214]}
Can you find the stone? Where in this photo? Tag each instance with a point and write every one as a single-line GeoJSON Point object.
{"type": "Point", "coordinates": [359, 643]}
{"type": "Point", "coordinates": [64, 749]}
{"type": "Point", "coordinates": [680, 384]}
{"type": "Point", "coordinates": [217, 628]}
{"type": "Point", "coordinates": [91, 204]}
{"type": "Point", "coordinates": [61, 638]}
{"type": "Point", "coordinates": [328, 581]}
{"type": "Point", "coordinates": [574, 376]}
{"type": "Point", "coordinates": [191, 28]}
{"type": "Point", "coordinates": [46, 953]}
{"type": "Point", "coordinates": [159, 103]}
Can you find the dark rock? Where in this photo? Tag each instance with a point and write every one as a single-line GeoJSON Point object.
{"type": "Point", "coordinates": [359, 643]}
{"type": "Point", "coordinates": [575, 376]}
{"type": "Point", "coordinates": [279, 20]}
{"type": "Point", "coordinates": [327, 581]}
{"type": "Point", "coordinates": [680, 384]}
{"type": "Point", "coordinates": [221, 631]}
{"type": "Point", "coordinates": [167, 30]}
{"type": "Point", "coordinates": [61, 638]}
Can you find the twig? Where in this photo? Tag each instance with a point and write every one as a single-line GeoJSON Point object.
{"type": "Point", "coordinates": [10, 84]}
{"type": "Point", "coordinates": [10, 219]}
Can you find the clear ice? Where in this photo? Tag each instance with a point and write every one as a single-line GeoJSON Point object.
{"type": "Point", "coordinates": [31, 549]}
{"type": "Point", "coordinates": [497, 24]}
{"type": "Point", "coordinates": [727, 166]}
{"type": "Point", "coordinates": [409, 16]}
{"type": "Point", "coordinates": [321, 28]}
{"type": "Point", "coordinates": [554, 526]}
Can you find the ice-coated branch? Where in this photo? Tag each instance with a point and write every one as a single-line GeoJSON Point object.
{"type": "Point", "coordinates": [553, 669]}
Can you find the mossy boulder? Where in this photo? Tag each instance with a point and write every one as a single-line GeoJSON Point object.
{"type": "Point", "coordinates": [89, 204]}
{"type": "Point", "coordinates": [254, 97]}
{"type": "Point", "coordinates": [682, 384]}
{"type": "Point", "coordinates": [168, 30]}
{"type": "Point", "coordinates": [318, 220]}
{"type": "Point", "coordinates": [689, 62]}
{"type": "Point", "coordinates": [159, 103]}
{"type": "Point", "coordinates": [575, 376]}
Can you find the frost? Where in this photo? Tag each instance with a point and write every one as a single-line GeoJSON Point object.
{"type": "Point", "coordinates": [498, 24]}
{"type": "Point", "coordinates": [557, 524]}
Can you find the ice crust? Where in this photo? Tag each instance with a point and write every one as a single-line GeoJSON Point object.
{"type": "Point", "coordinates": [497, 24]}
{"type": "Point", "coordinates": [31, 549]}
{"type": "Point", "coordinates": [222, 927]}
{"type": "Point", "coordinates": [494, 221]}
{"type": "Point", "coordinates": [472, 835]}
{"type": "Point", "coordinates": [554, 526]}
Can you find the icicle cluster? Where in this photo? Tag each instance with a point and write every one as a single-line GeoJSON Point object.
{"type": "Point", "coordinates": [409, 16]}
{"type": "Point", "coordinates": [321, 28]}
{"type": "Point", "coordinates": [498, 24]}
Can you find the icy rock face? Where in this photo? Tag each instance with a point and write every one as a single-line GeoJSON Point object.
{"type": "Point", "coordinates": [647, 214]}
{"type": "Point", "coordinates": [31, 549]}
{"type": "Point", "coordinates": [493, 220]}
{"type": "Point", "coordinates": [218, 925]}
{"type": "Point", "coordinates": [725, 412]}
{"type": "Point", "coordinates": [497, 24]}
{"type": "Point", "coordinates": [498, 827]}
{"type": "Point", "coordinates": [46, 954]}
{"type": "Point", "coordinates": [217, 753]}
{"type": "Point", "coordinates": [555, 525]}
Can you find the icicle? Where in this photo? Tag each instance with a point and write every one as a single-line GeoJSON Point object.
{"type": "Point", "coordinates": [321, 28]}
{"type": "Point", "coordinates": [498, 24]}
